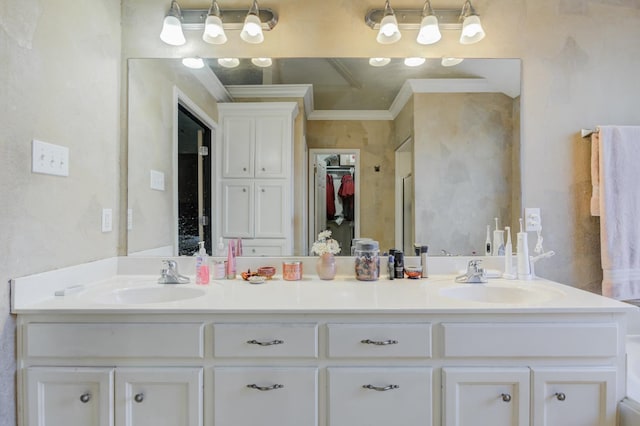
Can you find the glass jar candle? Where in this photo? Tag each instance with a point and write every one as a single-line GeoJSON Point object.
{"type": "Point", "coordinates": [367, 260]}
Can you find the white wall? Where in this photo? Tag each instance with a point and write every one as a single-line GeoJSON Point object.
{"type": "Point", "coordinates": [60, 83]}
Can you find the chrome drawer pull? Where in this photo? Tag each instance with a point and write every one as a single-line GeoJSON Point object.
{"type": "Point", "coordinates": [139, 397]}
{"type": "Point", "coordinates": [379, 342]}
{"type": "Point", "coordinates": [560, 396]}
{"type": "Point", "coordinates": [381, 388]}
{"type": "Point", "coordinates": [271, 343]}
{"type": "Point", "coordinates": [85, 397]}
{"type": "Point", "coordinates": [506, 397]}
{"type": "Point", "coordinates": [265, 388]}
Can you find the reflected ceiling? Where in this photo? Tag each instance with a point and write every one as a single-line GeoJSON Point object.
{"type": "Point", "coordinates": [353, 84]}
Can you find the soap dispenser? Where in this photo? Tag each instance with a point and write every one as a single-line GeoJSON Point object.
{"type": "Point", "coordinates": [202, 265]}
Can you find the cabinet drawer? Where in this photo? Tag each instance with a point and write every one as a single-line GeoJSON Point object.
{"type": "Point", "coordinates": [530, 340]}
{"type": "Point", "coordinates": [266, 396]}
{"type": "Point", "coordinates": [379, 340]}
{"type": "Point", "coordinates": [265, 340]}
{"type": "Point", "coordinates": [106, 340]}
{"type": "Point", "coordinates": [380, 396]}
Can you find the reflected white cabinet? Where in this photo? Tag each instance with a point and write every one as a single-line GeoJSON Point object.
{"type": "Point", "coordinates": [380, 396]}
{"type": "Point", "coordinates": [482, 396]}
{"type": "Point", "coordinates": [283, 396]}
{"type": "Point", "coordinates": [158, 396]}
{"type": "Point", "coordinates": [255, 174]}
{"type": "Point", "coordinates": [574, 397]}
{"type": "Point", "coordinates": [69, 396]}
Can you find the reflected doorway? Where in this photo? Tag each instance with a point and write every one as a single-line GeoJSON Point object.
{"type": "Point", "coordinates": [334, 196]}
{"type": "Point", "coordinates": [194, 183]}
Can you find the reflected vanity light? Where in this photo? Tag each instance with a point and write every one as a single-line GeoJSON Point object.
{"type": "Point", "coordinates": [427, 21]}
{"type": "Point", "coordinates": [215, 23]}
{"type": "Point", "coordinates": [172, 26]}
{"type": "Point", "coordinates": [414, 62]}
{"type": "Point", "coordinates": [450, 61]}
{"type": "Point", "coordinates": [379, 62]}
{"type": "Point", "coordinates": [262, 62]}
{"type": "Point", "coordinates": [194, 63]}
{"type": "Point", "coordinates": [229, 62]}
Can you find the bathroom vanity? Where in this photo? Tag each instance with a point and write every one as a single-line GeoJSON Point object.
{"type": "Point", "coordinates": [122, 351]}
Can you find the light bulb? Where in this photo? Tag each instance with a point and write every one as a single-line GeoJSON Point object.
{"type": "Point", "coordinates": [172, 31]}
{"type": "Point", "coordinates": [389, 32]}
{"type": "Point", "coordinates": [195, 63]}
{"type": "Point", "coordinates": [429, 30]}
{"type": "Point", "coordinates": [472, 31]}
{"type": "Point", "coordinates": [229, 62]}
{"type": "Point", "coordinates": [414, 62]}
{"type": "Point", "coordinates": [379, 62]}
{"type": "Point", "coordinates": [213, 30]}
{"type": "Point", "coordinates": [252, 30]}
{"type": "Point", "coordinates": [261, 62]}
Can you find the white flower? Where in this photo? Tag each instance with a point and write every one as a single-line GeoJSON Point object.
{"type": "Point", "coordinates": [325, 244]}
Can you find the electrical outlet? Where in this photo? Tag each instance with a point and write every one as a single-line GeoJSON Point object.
{"type": "Point", "coordinates": [107, 220]}
{"type": "Point", "coordinates": [49, 159]}
{"type": "Point", "coordinates": [533, 220]}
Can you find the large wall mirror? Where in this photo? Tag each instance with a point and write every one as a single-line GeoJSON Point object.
{"type": "Point", "coordinates": [439, 147]}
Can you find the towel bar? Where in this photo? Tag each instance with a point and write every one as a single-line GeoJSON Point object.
{"type": "Point", "coordinates": [587, 132]}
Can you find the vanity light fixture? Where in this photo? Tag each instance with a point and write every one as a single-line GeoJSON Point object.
{"type": "Point", "coordinates": [262, 62]}
{"type": "Point", "coordinates": [472, 31]}
{"type": "Point", "coordinates": [213, 29]}
{"type": "Point", "coordinates": [215, 23]}
{"type": "Point", "coordinates": [172, 26]}
{"type": "Point", "coordinates": [429, 30]}
{"type": "Point", "coordinates": [379, 62]}
{"type": "Point", "coordinates": [414, 62]}
{"type": "Point", "coordinates": [252, 29]}
{"type": "Point", "coordinates": [389, 32]}
{"type": "Point", "coordinates": [229, 62]}
{"type": "Point", "coordinates": [195, 63]}
{"type": "Point", "coordinates": [427, 21]}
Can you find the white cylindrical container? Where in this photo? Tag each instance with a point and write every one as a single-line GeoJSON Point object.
{"type": "Point", "coordinates": [524, 267]}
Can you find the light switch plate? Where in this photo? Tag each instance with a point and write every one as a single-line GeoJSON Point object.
{"type": "Point", "coordinates": [157, 180]}
{"type": "Point", "coordinates": [107, 220]}
{"type": "Point", "coordinates": [49, 159]}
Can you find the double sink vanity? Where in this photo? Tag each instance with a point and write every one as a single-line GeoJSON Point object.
{"type": "Point", "coordinates": [120, 349]}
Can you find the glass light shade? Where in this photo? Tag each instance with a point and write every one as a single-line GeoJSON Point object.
{"type": "Point", "coordinates": [252, 30]}
{"type": "Point", "coordinates": [449, 61]}
{"type": "Point", "coordinates": [389, 31]}
{"type": "Point", "coordinates": [472, 31]}
{"type": "Point", "coordinates": [414, 62]}
{"type": "Point", "coordinates": [429, 30]}
{"type": "Point", "coordinates": [229, 62]}
{"type": "Point", "coordinates": [195, 63]}
{"type": "Point", "coordinates": [172, 31]}
{"type": "Point", "coordinates": [379, 62]}
{"type": "Point", "coordinates": [213, 30]}
{"type": "Point", "coordinates": [261, 62]}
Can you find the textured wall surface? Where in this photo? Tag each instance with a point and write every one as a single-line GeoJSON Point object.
{"type": "Point", "coordinates": [463, 168]}
{"type": "Point", "coordinates": [60, 83]}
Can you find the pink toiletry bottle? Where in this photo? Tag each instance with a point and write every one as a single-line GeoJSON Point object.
{"type": "Point", "coordinates": [202, 266]}
{"type": "Point", "coordinates": [231, 262]}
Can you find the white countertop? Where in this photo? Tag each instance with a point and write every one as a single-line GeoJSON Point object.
{"type": "Point", "coordinates": [342, 295]}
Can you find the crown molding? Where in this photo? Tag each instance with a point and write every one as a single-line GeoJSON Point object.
{"type": "Point", "coordinates": [359, 115]}
{"type": "Point", "coordinates": [304, 91]}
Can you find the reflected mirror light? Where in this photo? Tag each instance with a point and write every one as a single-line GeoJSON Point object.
{"type": "Point", "coordinates": [414, 62]}
{"type": "Point", "coordinates": [379, 62]}
{"type": "Point", "coordinates": [194, 63]}
{"type": "Point", "coordinates": [229, 62]}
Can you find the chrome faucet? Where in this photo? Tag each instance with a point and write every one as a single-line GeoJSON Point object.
{"type": "Point", "coordinates": [170, 275]}
{"type": "Point", "coordinates": [475, 274]}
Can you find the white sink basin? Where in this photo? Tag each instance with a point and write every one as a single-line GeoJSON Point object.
{"type": "Point", "coordinates": [142, 295]}
{"type": "Point", "coordinates": [487, 293]}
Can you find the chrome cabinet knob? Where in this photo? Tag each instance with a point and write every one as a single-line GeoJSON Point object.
{"type": "Point", "coordinates": [560, 396]}
{"type": "Point", "coordinates": [506, 397]}
{"type": "Point", "coordinates": [85, 397]}
{"type": "Point", "coordinates": [139, 397]}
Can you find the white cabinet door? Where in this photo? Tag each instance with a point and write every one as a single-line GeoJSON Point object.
{"type": "Point", "coordinates": [574, 397]}
{"type": "Point", "coordinates": [273, 142]}
{"type": "Point", "coordinates": [238, 143]}
{"type": "Point", "coordinates": [380, 396]}
{"type": "Point", "coordinates": [237, 212]}
{"type": "Point", "coordinates": [266, 396]}
{"type": "Point", "coordinates": [69, 396]}
{"type": "Point", "coordinates": [486, 396]}
{"type": "Point", "coordinates": [271, 218]}
{"type": "Point", "coordinates": [159, 396]}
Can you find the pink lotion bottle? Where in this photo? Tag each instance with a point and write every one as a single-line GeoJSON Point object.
{"type": "Point", "coordinates": [202, 266]}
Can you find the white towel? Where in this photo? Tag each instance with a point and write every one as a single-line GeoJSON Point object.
{"type": "Point", "coordinates": [619, 175]}
{"type": "Point", "coordinates": [595, 173]}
